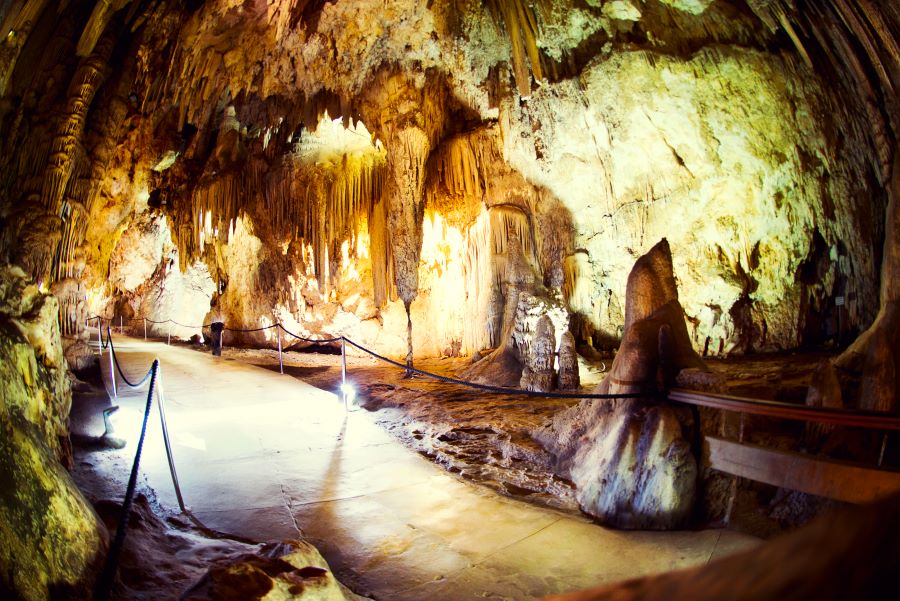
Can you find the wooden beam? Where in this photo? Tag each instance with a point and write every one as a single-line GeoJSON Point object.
{"type": "Point", "coordinates": [875, 420]}
{"type": "Point", "coordinates": [805, 473]}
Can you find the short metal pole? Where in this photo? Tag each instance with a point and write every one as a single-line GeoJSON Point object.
{"type": "Point", "coordinates": [280, 361]}
{"type": "Point", "coordinates": [121, 327]}
{"type": "Point", "coordinates": [112, 370]}
{"type": "Point", "coordinates": [344, 373]}
{"type": "Point", "coordinates": [100, 335]}
{"type": "Point", "coordinates": [165, 432]}
{"type": "Point", "coordinates": [145, 328]}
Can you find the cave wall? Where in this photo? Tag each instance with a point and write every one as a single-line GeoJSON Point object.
{"type": "Point", "coordinates": [51, 541]}
{"type": "Point", "coordinates": [607, 125]}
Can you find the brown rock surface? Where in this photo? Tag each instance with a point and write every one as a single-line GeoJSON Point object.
{"type": "Point", "coordinates": [288, 570]}
{"type": "Point", "coordinates": [629, 458]}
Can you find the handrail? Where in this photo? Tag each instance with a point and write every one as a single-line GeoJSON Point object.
{"type": "Point", "coordinates": [875, 420]}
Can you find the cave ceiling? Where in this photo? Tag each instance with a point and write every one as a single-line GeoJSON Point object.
{"type": "Point", "coordinates": [758, 135]}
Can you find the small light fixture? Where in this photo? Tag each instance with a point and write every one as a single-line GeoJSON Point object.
{"type": "Point", "coordinates": [348, 391]}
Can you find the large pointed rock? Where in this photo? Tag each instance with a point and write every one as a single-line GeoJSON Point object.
{"type": "Point", "coordinates": [630, 459]}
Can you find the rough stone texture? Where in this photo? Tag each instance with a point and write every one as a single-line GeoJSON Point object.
{"type": "Point", "coordinates": [539, 373]}
{"type": "Point", "coordinates": [568, 363]}
{"type": "Point", "coordinates": [289, 570]}
{"type": "Point", "coordinates": [644, 111]}
{"type": "Point", "coordinates": [79, 354]}
{"type": "Point", "coordinates": [630, 459]}
{"type": "Point", "coordinates": [50, 537]}
{"type": "Point", "coordinates": [656, 344]}
{"type": "Point", "coordinates": [642, 146]}
{"type": "Point", "coordinates": [875, 353]}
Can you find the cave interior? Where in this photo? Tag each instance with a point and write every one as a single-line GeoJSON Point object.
{"type": "Point", "coordinates": [625, 269]}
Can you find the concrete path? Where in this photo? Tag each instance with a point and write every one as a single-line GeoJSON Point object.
{"type": "Point", "coordinates": [267, 457]}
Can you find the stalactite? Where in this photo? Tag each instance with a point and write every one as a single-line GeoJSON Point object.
{"type": "Point", "coordinates": [521, 26]}
{"type": "Point", "coordinates": [321, 205]}
{"type": "Point", "coordinates": [405, 190]}
{"type": "Point", "coordinates": [65, 153]}
{"type": "Point", "coordinates": [100, 17]}
{"type": "Point", "coordinates": [81, 93]}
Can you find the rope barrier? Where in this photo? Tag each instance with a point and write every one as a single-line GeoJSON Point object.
{"type": "Point", "coordinates": [274, 325]}
{"type": "Point", "coordinates": [305, 339]}
{"type": "Point", "coordinates": [104, 584]}
{"type": "Point", "coordinates": [447, 379]}
{"type": "Point", "coordinates": [502, 389]}
{"type": "Point", "coordinates": [109, 344]}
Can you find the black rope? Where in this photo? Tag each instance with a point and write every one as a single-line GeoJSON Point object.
{"type": "Point", "coordinates": [125, 379]}
{"type": "Point", "coordinates": [274, 325]}
{"type": "Point", "coordinates": [321, 340]}
{"type": "Point", "coordinates": [503, 389]}
{"type": "Point", "coordinates": [104, 584]}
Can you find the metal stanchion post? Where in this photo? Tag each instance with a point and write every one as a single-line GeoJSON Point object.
{"type": "Point", "coordinates": [145, 328]}
{"type": "Point", "coordinates": [112, 373]}
{"type": "Point", "coordinates": [344, 373]}
{"type": "Point", "coordinates": [121, 327]}
{"type": "Point", "coordinates": [100, 335]}
{"type": "Point", "coordinates": [165, 432]}
{"type": "Point", "coordinates": [280, 360]}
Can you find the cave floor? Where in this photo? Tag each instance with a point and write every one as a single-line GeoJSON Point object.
{"type": "Point", "coordinates": [268, 457]}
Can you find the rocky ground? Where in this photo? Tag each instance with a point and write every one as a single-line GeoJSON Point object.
{"type": "Point", "coordinates": [487, 437]}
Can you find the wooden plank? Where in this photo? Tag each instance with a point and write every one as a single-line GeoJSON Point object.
{"type": "Point", "coordinates": [875, 420]}
{"type": "Point", "coordinates": [805, 473]}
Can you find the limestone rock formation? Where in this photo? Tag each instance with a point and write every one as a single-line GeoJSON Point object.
{"type": "Point", "coordinates": [568, 363]}
{"type": "Point", "coordinates": [876, 353]}
{"type": "Point", "coordinates": [504, 365]}
{"type": "Point", "coordinates": [50, 538]}
{"type": "Point", "coordinates": [630, 459]}
{"type": "Point", "coordinates": [288, 570]}
{"type": "Point", "coordinates": [539, 373]}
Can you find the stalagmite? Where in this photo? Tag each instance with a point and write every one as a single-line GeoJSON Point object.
{"type": "Point", "coordinates": [539, 373]}
{"type": "Point", "coordinates": [568, 363]}
{"type": "Point", "coordinates": [631, 459]}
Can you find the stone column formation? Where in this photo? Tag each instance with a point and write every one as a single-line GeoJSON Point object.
{"type": "Point", "coordinates": [539, 374]}
{"type": "Point", "coordinates": [630, 459]}
{"type": "Point", "coordinates": [569, 378]}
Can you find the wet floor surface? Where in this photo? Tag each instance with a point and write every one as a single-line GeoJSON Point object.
{"type": "Point", "coordinates": [268, 457]}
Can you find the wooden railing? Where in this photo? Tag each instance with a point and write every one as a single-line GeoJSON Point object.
{"type": "Point", "coordinates": [844, 481]}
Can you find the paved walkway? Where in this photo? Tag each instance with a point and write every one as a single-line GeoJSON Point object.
{"type": "Point", "coordinates": [267, 457]}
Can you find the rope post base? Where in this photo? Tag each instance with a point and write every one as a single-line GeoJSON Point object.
{"type": "Point", "coordinates": [344, 374]}
{"type": "Point", "coordinates": [280, 360]}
